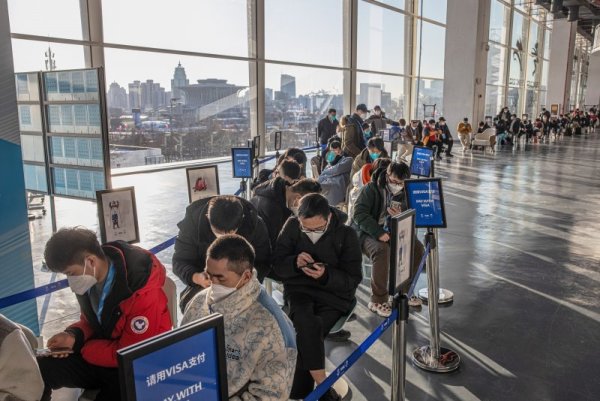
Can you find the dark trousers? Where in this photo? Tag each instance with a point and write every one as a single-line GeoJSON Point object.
{"type": "Point", "coordinates": [449, 142]}
{"type": "Point", "coordinates": [75, 372]}
{"type": "Point", "coordinates": [312, 322]}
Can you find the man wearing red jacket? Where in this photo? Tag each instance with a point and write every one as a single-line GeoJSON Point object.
{"type": "Point", "coordinates": [119, 290]}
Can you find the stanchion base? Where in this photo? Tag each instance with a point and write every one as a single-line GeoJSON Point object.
{"type": "Point", "coordinates": [446, 296]}
{"type": "Point", "coordinates": [449, 360]}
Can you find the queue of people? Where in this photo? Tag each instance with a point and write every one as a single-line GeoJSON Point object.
{"type": "Point", "coordinates": [309, 234]}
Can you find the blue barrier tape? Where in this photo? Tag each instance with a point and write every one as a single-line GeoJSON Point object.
{"type": "Point", "coordinates": [351, 360]}
{"type": "Point", "coordinates": [59, 285]}
{"type": "Point", "coordinates": [419, 270]}
{"type": "Point", "coordinates": [238, 192]}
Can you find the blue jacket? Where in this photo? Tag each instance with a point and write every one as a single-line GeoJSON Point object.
{"type": "Point", "coordinates": [335, 180]}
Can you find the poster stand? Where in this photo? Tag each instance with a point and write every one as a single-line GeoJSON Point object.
{"type": "Point", "coordinates": [427, 198]}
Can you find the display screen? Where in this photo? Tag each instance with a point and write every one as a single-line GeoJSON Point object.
{"type": "Point", "coordinates": [185, 370]}
{"type": "Point", "coordinates": [420, 164]}
{"type": "Point", "coordinates": [426, 197]}
{"type": "Point", "coordinates": [187, 363]}
{"type": "Point", "coordinates": [242, 162]}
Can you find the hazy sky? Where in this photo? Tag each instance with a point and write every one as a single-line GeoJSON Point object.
{"type": "Point", "coordinates": [308, 31]}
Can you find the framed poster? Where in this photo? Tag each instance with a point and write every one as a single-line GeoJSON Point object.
{"type": "Point", "coordinates": [427, 198]}
{"type": "Point", "coordinates": [241, 159]}
{"type": "Point", "coordinates": [554, 109]}
{"type": "Point", "coordinates": [278, 140]}
{"type": "Point", "coordinates": [402, 245]}
{"type": "Point", "coordinates": [117, 215]}
{"type": "Point", "coordinates": [202, 182]}
{"type": "Point", "coordinates": [187, 363]}
{"type": "Point", "coordinates": [420, 163]}
{"type": "Point", "coordinates": [255, 145]}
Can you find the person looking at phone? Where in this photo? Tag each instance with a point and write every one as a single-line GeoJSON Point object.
{"type": "Point", "coordinates": [318, 259]}
{"type": "Point", "coordinates": [377, 203]}
{"type": "Point", "coordinates": [119, 291]}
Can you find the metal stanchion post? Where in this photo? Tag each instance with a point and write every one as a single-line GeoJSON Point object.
{"type": "Point", "coordinates": [432, 357]}
{"type": "Point", "coordinates": [399, 349]}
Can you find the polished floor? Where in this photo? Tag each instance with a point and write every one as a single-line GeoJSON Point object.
{"type": "Point", "coordinates": [521, 253]}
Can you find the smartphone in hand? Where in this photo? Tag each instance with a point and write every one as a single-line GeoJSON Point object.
{"type": "Point", "coordinates": [52, 351]}
{"type": "Point", "coordinates": [314, 266]}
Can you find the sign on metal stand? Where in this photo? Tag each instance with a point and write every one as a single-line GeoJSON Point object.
{"type": "Point", "coordinates": [427, 198]}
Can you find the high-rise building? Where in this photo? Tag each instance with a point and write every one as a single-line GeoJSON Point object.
{"type": "Point", "coordinates": [135, 95]}
{"type": "Point", "coordinates": [179, 81]}
{"type": "Point", "coordinates": [370, 94]}
{"type": "Point", "coordinates": [152, 95]}
{"type": "Point", "coordinates": [288, 86]}
{"type": "Point", "coordinates": [117, 96]}
{"type": "Point", "coordinates": [208, 91]}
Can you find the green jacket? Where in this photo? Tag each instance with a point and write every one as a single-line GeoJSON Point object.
{"type": "Point", "coordinates": [369, 205]}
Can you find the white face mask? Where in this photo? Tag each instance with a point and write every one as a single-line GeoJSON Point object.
{"type": "Point", "coordinates": [395, 189]}
{"type": "Point", "coordinates": [82, 283]}
{"type": "Point", "coordinates": [219, 292]}
{"type": "Point", "coordinates": [315, 236]}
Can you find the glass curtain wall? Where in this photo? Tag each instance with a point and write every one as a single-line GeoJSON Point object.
{"type": "Point", "coordinates": [579, 74]}
{"type": "Point", "coordinates": [519, 47]}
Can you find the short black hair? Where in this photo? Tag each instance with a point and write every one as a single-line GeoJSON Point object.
{"type": "Point", "coordinates": [331, 111]}
{"type": "Point", "coordinates": [312, 205]}
{"type": "Point", "coordinates": [236, 249]}
{"type": "Point", "coordinates": [366, 125]}
{"type": "Point", "coordinates": [335, 145]}
{"type": "Point", "coordinates": [306, 186]}
{"type": "Point", "coordinates": [297, 154]}
{"type": "Point", "coordinates": [402, 121]}
{"type": "Point", "coordinates": [400, 170]}
{"type": "Point", "coordinates": [432, 121]}
{"type": "Point", "coordinates": [68, 246]}
{"type": "Point", "coordinates": [290, 169]}
{"type": "Point", "coordinates": [376, 143]}
{"type": "Point", "coordinates": [225, 212]}
{"type": "Point", "coordinates": [381, 162]}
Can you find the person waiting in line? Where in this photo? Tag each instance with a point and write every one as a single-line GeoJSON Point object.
{"type": "Point", "coordinates": [20, 378]}
{"type": "Point", "coordinates": [501, 131]}
{"type": "Point", "coordinates": [291, 154]}
{"type": "Point", "coordinates": [119, 291]}
{"type": "Point", "coordinates": [527, 130]}
{"type": "Point", "coordinates": [465, 131]}
{"type": "Point", "coordinates": [367, 133]}
{"type": "Point", "coordinates": [445, 137]}
{"type": "Point", "coordinates": [326, 129]}
{"type": "Point", "coordinates": [481, 127]}
{"type": "Point", "coordinates": [204, 221]}
{"type": "Point", "coordinates": [406, 143]}
{"type": "Point", "coordinates": [276, 201]}
{"type": "Point", "coordinates": [374, 150]}
{"type": "Point", "coordinates": [538, 129]}
{"type": "Point", "coordinates": [336, 176]}
{"type": "Point", "coordinates": [378, 120]}
{"type": "Point", "coordinates": [318, 258]}
{"type": "Point", "coordinates": [361, 178]}
{"type": "Point", "coordinates": [353, 136]}
{"type": "Point", "coordinates": [259, 338]}
{"type": "Point", "coordinates": [380, 200]}
{"type": "Point", "coordinates": [432, 138]}
{"type": "Point", "coordinates": [415, 132]}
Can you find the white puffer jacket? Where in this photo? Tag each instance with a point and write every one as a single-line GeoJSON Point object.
{"type": "Point", "coordinates": [260, 342]}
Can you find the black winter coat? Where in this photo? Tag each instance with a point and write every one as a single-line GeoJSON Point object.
{"type": "Point", "coordinates": [269, 200]}
{"type": "Point", "coordinates": [338, 248]}
{"type": "Point", "coordinates": [195, 236]}
{"type": "Point", "coordinates": [327, 129]}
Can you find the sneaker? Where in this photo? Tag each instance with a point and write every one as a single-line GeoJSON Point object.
{"type": "Point", "coordinates": [330, 395]}
{"type": "Point", "coordinates": [415, 302]}
{"type": "Point", "coordinates": [382, 309]}
{"type": "Point", "coordinates": [339, 336]}
{"type": "Point", "coordinates": [449, 155]}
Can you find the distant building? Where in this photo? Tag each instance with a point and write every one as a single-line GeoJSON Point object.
{"type": "Point", "coordinates": [135, 95]}
{"type": "Point", "coordinates": [370, 94]}
{"type": "Point", "coordinates": [152, 95]}
{"type": "Point", "coordinates": [208, 91]}
{"type": "Point", "coordinates": [117, 97]}
{"type": "Point", "coordinates": [268, 95]}
{"type": "Point", "coordinates": [288, 86]}
{"type": "Point", "coordinates": [179, 81]}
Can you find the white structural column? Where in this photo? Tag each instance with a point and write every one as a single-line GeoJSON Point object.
{"type": "Point", "coordinates": [592, 95]}
{"type": "Point", "coordinates": [562, 46]}
{"type": "Point", "coordinates": [463, 80]}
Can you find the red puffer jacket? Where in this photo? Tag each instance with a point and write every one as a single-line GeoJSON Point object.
{"type": "Point", "coordinates": [135, 308]}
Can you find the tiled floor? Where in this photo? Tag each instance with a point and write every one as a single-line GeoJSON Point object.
{"type": "Point", "coordinates": [521, 253]}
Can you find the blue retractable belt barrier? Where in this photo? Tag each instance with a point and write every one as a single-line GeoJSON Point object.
{"type": "Point", "coordinates": [59, 285]}
{"type": "Point", "coordinates": [354, 356]}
